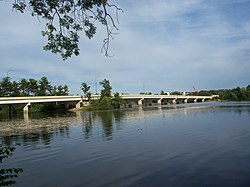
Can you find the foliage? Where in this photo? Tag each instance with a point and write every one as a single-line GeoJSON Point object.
{"type": "Point", "coordinates": [45, 87]}
{"type": "Point", "coordinates": [105, 103]}
{"type": "Point", "coordinates": [65, 20]}
{"type": "Point", "coordinates": [106, 91]}
{"type": "Point", "coordinates": [30, 87]}
{"type": "Point", "coordinates": [117, 101]}
{"type": "Point", "coordinates": [175, 93]}
{"type": "Point", "coordinates": [6, 87]}
{"type": "Point", "coordinates": [7, 175]}
{"type": "Point", "coordinates": [235, 94]}
{"type": "Point", "coordinates": [85, 88]}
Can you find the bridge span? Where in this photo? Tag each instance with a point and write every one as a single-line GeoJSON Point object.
{"type": "Point", "coordinates": [139, 99]}
{"type": "Point", "coordinates": [27, 101]}
{"type": "Point", "coordinates": [130, 99]}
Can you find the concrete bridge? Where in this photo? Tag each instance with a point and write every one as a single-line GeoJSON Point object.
{"type": "Point", "coordinates": [27, 101]}
{"type": "Point", "coordinates": [130, 100]}
{"type": "Point", "coordinates": [140, 99]}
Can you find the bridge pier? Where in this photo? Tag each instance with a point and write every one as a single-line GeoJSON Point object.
{"type": "Point", "coordinates": [195, 101]}
{"type": "Point", "coordinates": [159, 101]}
{"type": "Point", "coordinates": [78, 105]}
{"type": "Point", "coordinates": [26, 108]}
{"type": "Point", "coordinates": [140, 102]}
{"type": "Point", "coordinates": [186, 100]}
{"type": "Point", "coordinates": [174, 101]}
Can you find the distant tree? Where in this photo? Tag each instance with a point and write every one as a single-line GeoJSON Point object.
{"type": "Point", "coordinates": [65, 90]}
{"type": "Point", "coordinates": [65, 20]}
{"type": "Point", "coordinates": [33, 86]}
{"type": "Point", "coordinates": [85, 88]}
{"type": "Point", "coordinates": [106, 91]}
{"type": "Point", "coordinates": [117, 101]}
{"type": "Point", "coordinates": [24, 87]}
{"type": "Point", "coordinates": [15, 89]}
{"type": "Point", "coordinates": [248, 87]}
{"type": "Point", "coordinates": [6, 86]}
{"type": "Point", "coordinates": [62, 90]}
{"type": "Point", "coordinates": [204, 92]}
{"type": "Point", "coordinates": [54, 90]}
{"type": "Point", "coordinates": [44, 87]}
{"type": "Point", "coordinates": [27, 87]}
{"type": "Point", "coordinates": [248, 92]}
{"type": "Point", "coordinates": [105, 103]}
{"type": "Point", "coordinates": [175, 93]}
{"type": "Point", "coordinates": [162, 93]}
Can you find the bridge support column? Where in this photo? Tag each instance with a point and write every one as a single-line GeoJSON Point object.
{"type": "Point", "coordinates": [140, 102]}
{"type": "Point", "coordinates": [174, 101]}
{"type": "Point", "coordinates": [159, 101]}
{"type": "Point", "coordinates": [195, 101]}
{"type": "Point", "coordinates": [26, 108]}
{"type": "Point", "coordinates": [78, 105]}
{"type": "Point", "coordinates": [203, 100]}
{"type": "Point", "coordinates": [186, 100]}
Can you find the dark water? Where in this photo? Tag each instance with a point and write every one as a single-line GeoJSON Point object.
{"type": "Point", "coordinates": [189, 145]}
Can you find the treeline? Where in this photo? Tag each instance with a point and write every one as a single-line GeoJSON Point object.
{"type": "Point", "coordinates": [235, 94]}
{"type": "Point", "coordinates": [30, 87]}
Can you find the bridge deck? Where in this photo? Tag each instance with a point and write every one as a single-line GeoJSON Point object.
{"type": "Point", "coordinates": [38, 99]}
{"type": "Point", "coordinates": [44, 99]}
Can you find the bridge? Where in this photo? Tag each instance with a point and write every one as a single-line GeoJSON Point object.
{"type": "Point", "coordinates": [27, 101]}
{"type": "Point", "coordinates": [130, 100]}
{"type": "Point", "coordinates": [140, 99]}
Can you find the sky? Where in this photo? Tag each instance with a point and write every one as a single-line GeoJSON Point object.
{"type": "Point", "coordinates": [169, 45]}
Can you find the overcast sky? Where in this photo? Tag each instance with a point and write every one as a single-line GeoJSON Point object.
{"type": "Point", "coordinates": [162, 45]}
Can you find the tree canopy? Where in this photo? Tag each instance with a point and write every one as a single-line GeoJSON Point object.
{"type": "Point", "coordinates": [85, 88]}
{"type": "Point", "coordinates": [30, 87]}
{"type": "Point", "coordinates": [65, 20]}
{"type": "Point", "coordinates": [235, 94]}
{"type": "Point", "coordinates": [106, 91]}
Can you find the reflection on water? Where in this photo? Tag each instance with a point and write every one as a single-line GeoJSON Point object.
{"type": "Point", "coordinates": [178, 145]}
{"type": "Point", "coordinates": [43, 129]}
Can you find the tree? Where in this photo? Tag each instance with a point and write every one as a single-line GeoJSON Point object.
{"type": "Point", "coordinates": [117, 101]}
{"type": "Point", "coordinates": [61, 90]}
{"type": "Point", "coordinates": [175, 93]}
{"type": "Point", "coordinates": [65, 90]}
{"type": "Point", "coordinates": [44, 87]}
{"type": "Point", "coordinates": [24, 87]}
{"type": "Point", "coordinates": [105, 103]}
{"type": "Point", "coordinates": [106, 88]}
{"type": "Point", "coordinates": [33, 86]}
{"type": "Point", "coordinates": [15, 89]}
{"type": "Point", "coordinates": [5, 86]}
{"type": "Point", "coordinates": [248, 87]}
{"type": "Point", "coordinates": [85, 88]}
{"type": "Point", "coordinates": [65, 20]}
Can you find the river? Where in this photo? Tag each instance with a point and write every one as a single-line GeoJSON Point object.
{"type": "Point", "coordinates": [203, 144]}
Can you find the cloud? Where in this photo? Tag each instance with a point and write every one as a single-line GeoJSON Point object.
{"type": "Point", "coordinates": [166, 44]}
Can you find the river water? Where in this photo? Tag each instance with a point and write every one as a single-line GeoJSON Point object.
{"type": "Point", "coordinates": [199, 145]}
